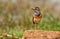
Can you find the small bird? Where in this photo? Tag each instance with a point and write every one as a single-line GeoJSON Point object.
{"type": "Point", "coordinates": [36, 16]}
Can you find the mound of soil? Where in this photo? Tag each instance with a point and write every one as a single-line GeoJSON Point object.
{"type": "Point", "coordinates": [41, 34]}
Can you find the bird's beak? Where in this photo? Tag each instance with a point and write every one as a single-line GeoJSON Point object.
{"type": "Point", "coordinates": [33, 9]}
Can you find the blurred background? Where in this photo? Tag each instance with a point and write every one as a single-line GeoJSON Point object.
{"type": "Point", "coordinates": [16, 15]}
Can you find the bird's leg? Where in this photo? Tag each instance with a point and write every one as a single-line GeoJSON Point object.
{"type": "Point", "coordinates": [35, 26]}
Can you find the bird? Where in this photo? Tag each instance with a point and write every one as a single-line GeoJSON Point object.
{"type": "Point", "coordinates": [36, 18]}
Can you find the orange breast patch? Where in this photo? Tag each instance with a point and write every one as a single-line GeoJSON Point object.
{"type": "Point", "coordinates": [37, 19]}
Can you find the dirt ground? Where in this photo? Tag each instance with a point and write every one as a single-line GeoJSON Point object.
{"type": "Point", "coordinates": [41, 34]}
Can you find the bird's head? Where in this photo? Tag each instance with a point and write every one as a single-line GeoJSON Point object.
{"type": "Point", "coordinates": [36, 8]}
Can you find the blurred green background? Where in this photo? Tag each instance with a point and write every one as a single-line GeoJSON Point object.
{"type": "Point", "coordinates": [16, 16]}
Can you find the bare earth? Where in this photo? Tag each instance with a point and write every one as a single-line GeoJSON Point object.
{"type": "Point", "coordinates": [41, 34]}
